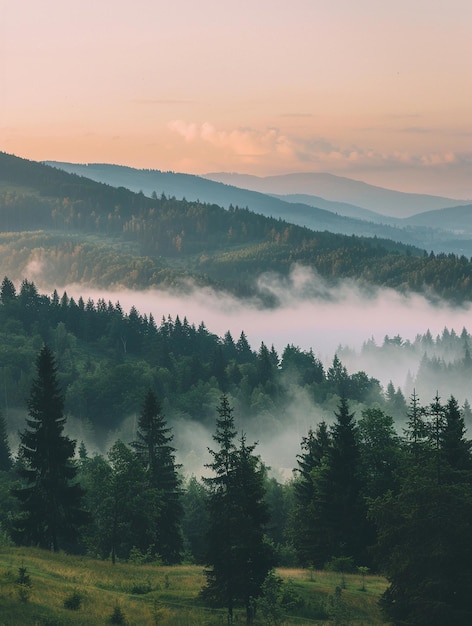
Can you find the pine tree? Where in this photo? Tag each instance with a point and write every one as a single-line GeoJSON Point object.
{"type": "Point", "coordinates": [436, 428]}
{"type": "Point", "coordinates": [346, 507]}
{"type": "Point", "coordinates": [7, 291]}
{"type": "Point", "coordinates": [315, 448]}
{"type": "Point", "coordinates": [50, 500]}
{"type": "Point", "coordinates": [416, 432]}
{"type": "Point", "coordinates": [5, 452]}
{"type": "Point", "coordinates": [338, 377]}
{"type": "Point", "coordinates": [238, 558]}
{"type": "Point", "coordinates": [456, 450]}
{"type": "Point", "coordinates": [153, 447]}
{"type": "Point", "coordinates": [338, 508]}
{"type": "Point", "coordinates": [253, 556]}
{"type": "Point", "coordinates": [244, 352]}
{"type": "Point", "coordinates": [222, 511]}
{"type": "Point", "coordinates": [467, 412]}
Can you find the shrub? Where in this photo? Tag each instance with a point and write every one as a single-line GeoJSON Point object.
{"type": "Point", "coordinates": [23, 585]}
{"type": "Point", "coordinates": [73, 601]}
{"type": "Point", "coordinates": [117, 617]}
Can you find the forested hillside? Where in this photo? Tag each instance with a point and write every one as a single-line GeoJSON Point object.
{"type": "Point", "coordinates": [73, 479]}
{"type": "Point", "coordinates": [99, 235]}
{"type": "Point", "coordinates": [358, 476]}
{"type": "Point", "coordinates": [107, 359]}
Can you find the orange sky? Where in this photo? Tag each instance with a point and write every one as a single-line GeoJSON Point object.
{"type": "Point", "coordinates": [372, 90]}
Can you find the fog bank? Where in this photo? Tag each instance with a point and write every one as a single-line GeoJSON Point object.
{"type": "Point", "coordinates": [311, 314]}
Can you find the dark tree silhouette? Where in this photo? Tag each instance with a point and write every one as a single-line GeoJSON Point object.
{"type": "Point", "coordinates": [238, 557]}
{"type": "Point", "coordinates": [153, 447]}
{"type": "Point", "coordinates": [5, 452]}
{"type": "Point", "coordinates": [50, 500]}
{"type": "Point", "coordinates": [338, 508]}
{"type": "Point", "coordinates": [305, 529]}
{"type": "Point", "coordinates": [456, 449]}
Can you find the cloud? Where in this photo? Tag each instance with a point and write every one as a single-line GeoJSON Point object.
{"type": "Point", "coordinates": [280, 149]}
{"type": "Point", "coordinates": [274, 149]}
{"type": "Point", "coordinates": [241, 141]}
{"type": "Point", "coordinates": [188, 131]}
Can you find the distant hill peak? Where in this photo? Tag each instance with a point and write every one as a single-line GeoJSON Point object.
{"type": "Point", "coordinates": [340, 189]}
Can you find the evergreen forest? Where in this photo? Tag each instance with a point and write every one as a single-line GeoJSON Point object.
{"type": "Point", "coordinates": [101, 409]}
{"type": "Point", "coordinates": [372, 488]}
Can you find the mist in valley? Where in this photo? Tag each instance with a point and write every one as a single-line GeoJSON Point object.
{"type": "Point", "coordinates": [310, 314]}
{"type": "Point", "coordinates": [345, 319]}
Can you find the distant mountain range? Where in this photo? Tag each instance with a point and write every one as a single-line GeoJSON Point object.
{"type": "Point", "coordinates": [387, 202]}
{"type": "Point", "coordinates": [64, 228]}
{"type": "Point", "coordinates": [342, 205]}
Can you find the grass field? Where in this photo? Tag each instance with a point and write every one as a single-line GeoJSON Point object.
{"type": "Point", "coordinates": [97, 592]}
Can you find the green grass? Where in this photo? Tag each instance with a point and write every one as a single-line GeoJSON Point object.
{"type": "Point", "coordinates": [155, 595]}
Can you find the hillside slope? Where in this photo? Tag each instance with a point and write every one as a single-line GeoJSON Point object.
{"type": "Point", "coordinates": [98, 234]}
{"type": "Point", "coordinates": [307, 210]}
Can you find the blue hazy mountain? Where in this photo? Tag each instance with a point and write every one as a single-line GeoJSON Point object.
{"type": "Point", "coordinates": [331, 212]}
{"type": "Point", "coordinates": [340, 189]}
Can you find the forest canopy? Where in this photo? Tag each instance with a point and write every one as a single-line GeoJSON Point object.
{"type": "Point", "coordinates": [88, 232]}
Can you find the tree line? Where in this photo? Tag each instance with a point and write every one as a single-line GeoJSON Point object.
{"type": "Point", "coordinates": [362, 496]}
{"type": "Point", "coordinates": [107, 359]}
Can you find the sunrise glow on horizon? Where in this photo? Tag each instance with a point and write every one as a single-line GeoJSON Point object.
{"type": "Point", "coordinates": [379, 92]}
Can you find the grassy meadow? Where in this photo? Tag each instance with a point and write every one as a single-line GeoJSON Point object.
{"type": "Point", "coordinates": [39, 588]}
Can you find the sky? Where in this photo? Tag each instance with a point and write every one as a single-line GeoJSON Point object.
{"type": "Point", "coordinates": [376, 91]}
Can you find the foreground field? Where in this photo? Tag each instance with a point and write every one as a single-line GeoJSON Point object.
{"type": "Point", "coordinates": [40, 588]}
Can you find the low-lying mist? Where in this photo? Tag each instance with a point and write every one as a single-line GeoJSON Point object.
{"type": "Point", "coordinates": [310, 314]}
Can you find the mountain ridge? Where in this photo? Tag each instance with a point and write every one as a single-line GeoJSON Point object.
{"type": "Point", "coordinates": [86, 232]}
{"type": "Point", "coordinates": [311, 211]}
{"type": "Point", "coordinates": [387, 202]}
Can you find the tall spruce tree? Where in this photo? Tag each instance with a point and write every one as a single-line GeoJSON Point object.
{"type": "Point", "coordinates": [416, 432]}
{"type": "Point", "coordinates": [153, 447]}
{"type": "Point", "coordinates": [238, 558]}
{"type": "Point", "coordinates": [435, 428]}
{"type": "Point", "coordinates": [305, 527]}
{"type": "Point", "coordinates": [456, 449]}
{"type": "Point", "coordinates": [338, 507]}
{"type": "Point", "coordinates": [50, 499]}
{"type": "Point", "coordinates": [5, 452]}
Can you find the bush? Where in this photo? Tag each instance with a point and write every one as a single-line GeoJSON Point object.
{"type": "Point", "coordinates": [73, 602]}
{"type": "Point", "coordinates": [291, 599]}
{"type": "Point", "coordinates": [342, 564]}
{"type": "Point", "coordinates": [137, 557]}
{"type": "Point", "coordinates": [117, 617]}
{"type": "Point", "coordinates": [23, 585]}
